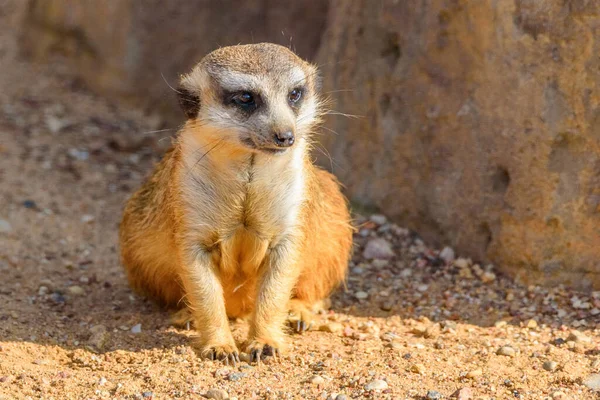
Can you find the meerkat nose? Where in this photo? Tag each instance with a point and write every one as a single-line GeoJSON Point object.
{"type": "Point", "coordinates": [284, 139]}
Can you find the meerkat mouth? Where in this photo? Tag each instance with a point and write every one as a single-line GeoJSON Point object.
{"type": "Point", "coordinates": [248, 142]}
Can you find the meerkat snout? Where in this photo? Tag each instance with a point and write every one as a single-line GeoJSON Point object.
{"type": "Point", "coordinates": [284, 139]}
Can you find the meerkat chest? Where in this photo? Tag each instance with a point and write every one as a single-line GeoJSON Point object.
{"type": "Point", "coordinates": [259, 201]}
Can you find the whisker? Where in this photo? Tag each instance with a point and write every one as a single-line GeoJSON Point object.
{"type": "Point", "coordinates": [169, 85]}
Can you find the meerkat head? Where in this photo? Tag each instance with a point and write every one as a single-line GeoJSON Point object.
{"type": "Point", "coordinates": [259, 97]}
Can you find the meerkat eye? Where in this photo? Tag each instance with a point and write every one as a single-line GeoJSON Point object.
{"type": "Point", "coordinates": [244, 99]}
{"type": "Point", "coordinates": [295, 95]}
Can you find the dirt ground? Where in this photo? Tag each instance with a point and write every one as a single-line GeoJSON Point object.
{"type": "Point", "coordinates": [415, 323]}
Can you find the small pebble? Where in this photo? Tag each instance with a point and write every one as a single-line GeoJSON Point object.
{"type": "Point", "coordinates": [102, 381]}
{"type": "Point", "coordinates": [506, 351]}
{"type": "Point", "coordinates": [136, 328]}
{"type": "Point", "coordinates": [418, 369]}
{"type": "Point", "coordinates": [474, 373]}
{"type": "Point", "coordinates": [488, 277]}
{"type": "Point", "coordinates": [341, 397]}
{"type": "Point", "coordinates": [378, 248]}
{"type": "Point", "coordinates": [447, 254]}
{"type": "Point", "coordinates": [532, 324]}
{"type": "Point", "coordinates": [317, 380]}
{"type": "Point", "coordinates": [592, 382]}
{"type": "Point", "coordinates": [5, 226]}
{"type": "Point", "coordinates": [378, 219]}
{"type": "Point", "coordinates": [29, 204]}
{"type": "Point", "coordinates": [236, 376]}
{"type": "Point", "coordinates": [86, 219]}
{"type": "Point", "coordinates": [361, 295]}
{"type": "Point", "coordinates": [332, 327]}
{"type": "Point", "coordinates": [465, 393]}
{"type": "Point", "coordinates": [147, 395]}
{"type": "Point", "coordinates": [550, 365]}
{"type": "Point", "coordinates": [377, 384]}
{"type": "Point", "coordinates": [217, 394]}
{"type": "Point", "coordinates": [578, 337]}
{"type": "Point", "coordinates": [433, 395]}
{"type": "Point", "coordinates": [387, 305]}
{"type": "Point", "coordinates": [76, 290]}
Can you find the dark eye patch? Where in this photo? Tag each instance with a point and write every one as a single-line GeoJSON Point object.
{"type": "Point", "coordinates": [244, 100]}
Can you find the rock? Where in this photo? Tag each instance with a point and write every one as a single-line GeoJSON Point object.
{"type": "Point", "coordinates": [185, 30]}
{"type": "Point", "coordinates": [76, 290]}
{"type": "Point", "coordinates": [245, 357]}
{"type": "Point", "coordinates": [506, 351]}
{"type": "Point", "coordinates": [578, 337]}
{"type": "Point", "coordinates": [147, 395]}
{"type": "Point", "coordinates": [217, 394]}
{"type": "Point", "coordinates": [474, 373]}
{"type": "Point", "coordinates": [5, 226]}
{"type": "Point", "coordinates": [550, 365]}
{"type": "Point", "coordinates": [43, 290]}
{"type": "Point", "coordinates": [592, 382]}
{"type": "Point", "coordinates": [332, 327]}
{"type": "Point", "coordinates": [447, 254]}
{"type": "Point", "coordinates": [341, 397]}
{"type": "Point", "coordinates": [465, 393]}
{"type": "Point", "coordinates": [361, 295]}
{"type": "Point", "coordinates": [102, 381]}
{"type": "Point", "coordinates": [98, 336]}
{"type": "Point", "coordinates": [418, 369]}
{"type": "Point", "coordinates": [433, 395]}
{"type": "Point", "coordinates": [558, 395]}
{"type": "Point", "coordinates": [377, 384]}
{"type": "Point", "coordinates": [316, 380]}
{"type": "Point", "coordinates": [413, 146]}
{"type": "Point", "coordinates": [378, 248]}
{"type": "Point", "coordinates": [136, 328]}
{"type": "Point", "coordinates": [378, 219]}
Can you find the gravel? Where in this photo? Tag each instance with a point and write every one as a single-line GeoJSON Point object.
{"type": "Point", "coordinates": [52, 184]}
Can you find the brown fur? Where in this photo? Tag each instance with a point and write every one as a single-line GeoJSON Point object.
{"type": "Point", "coordinates": [233, 232]}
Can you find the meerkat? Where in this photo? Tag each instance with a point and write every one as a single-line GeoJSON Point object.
{"type": "Point", "coordinates": [236, 221]}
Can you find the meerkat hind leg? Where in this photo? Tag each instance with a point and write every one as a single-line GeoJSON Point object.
{"type": "Point", "coordinates": [301, 313]}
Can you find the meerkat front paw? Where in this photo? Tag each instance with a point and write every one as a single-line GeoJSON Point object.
{"type": "Point", "coordinates": [228, 353]}
{"type": "Point", "coordinates": [259, 349]}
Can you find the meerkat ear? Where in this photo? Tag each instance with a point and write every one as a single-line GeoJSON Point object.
{"type": "Point", "coordinates": [188, 101]}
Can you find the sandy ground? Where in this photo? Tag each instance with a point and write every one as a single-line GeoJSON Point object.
{"type": "Point", "coordinates": [413, 324]}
